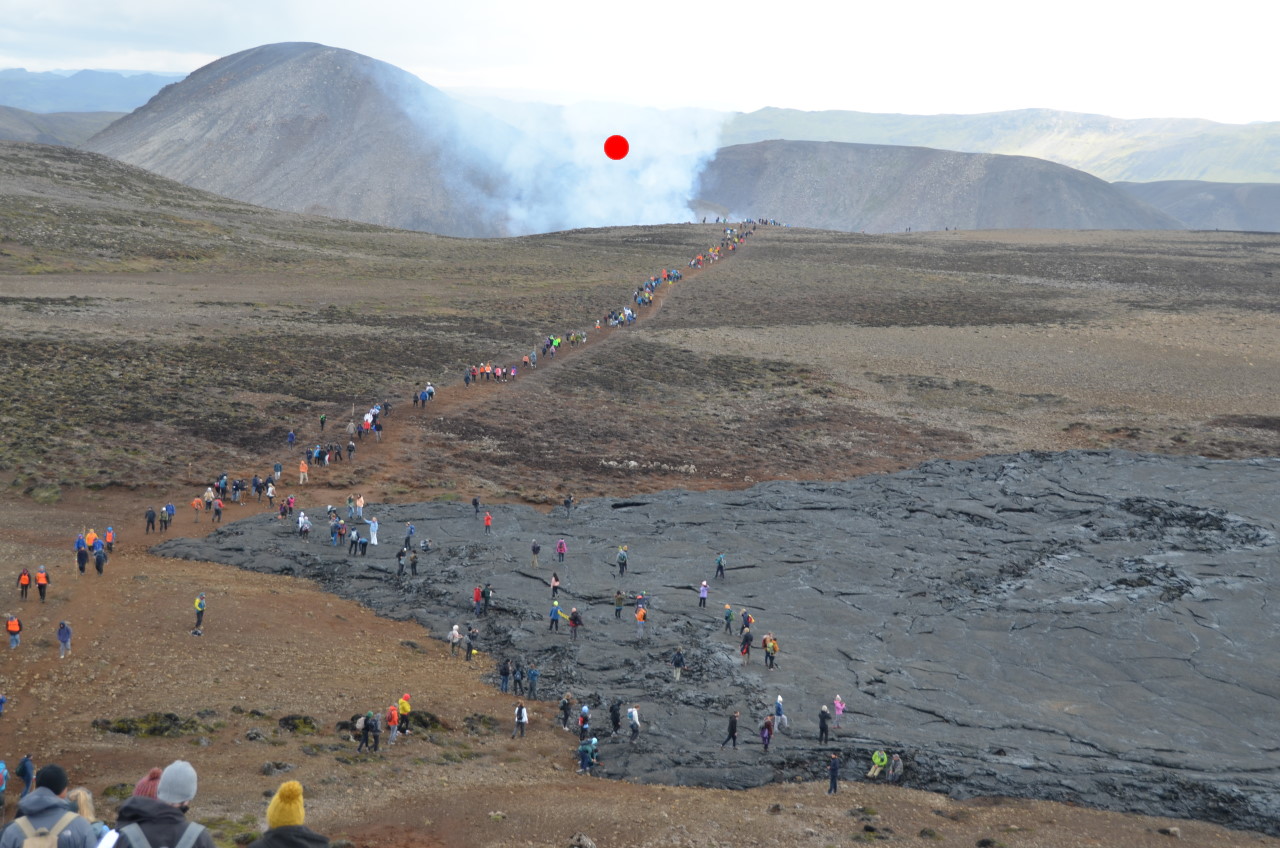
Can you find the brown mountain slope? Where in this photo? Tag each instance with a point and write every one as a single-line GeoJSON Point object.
{"type": "Point", "coordinates": [877, 188]}
{"type": "Point", "coordinates": [309, 128]}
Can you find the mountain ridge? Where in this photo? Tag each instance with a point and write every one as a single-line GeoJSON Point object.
{"type": "Point", "coordinates": [1114, 149]}
{"type": "Point", "coordinates": [882, 188]}
{"type": "Point", "coordinates": [63, 128]}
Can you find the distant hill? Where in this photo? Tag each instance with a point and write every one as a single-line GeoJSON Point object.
{"type": "Point", "coordinates": [1109, 148]}
{"type": "Point", "coordinates": [66, 128]}
{"type": "Point", "coordinates": [70, 209]}
{"type": "Point", "coordinates": [308, 128]}
{"type": "Point", "coordinates": [881, 188]}
{"type": "Point", "coordinates": [1202, 205]}
{"type": "Point", "coordinates": [82, 91]}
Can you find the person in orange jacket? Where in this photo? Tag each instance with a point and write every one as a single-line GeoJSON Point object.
{"type": "Point", "coordinates": [24, 583]}
{"type": "Point", "coordinates": [197, 505]}
{"type": "Point", "coordinates": [393, 724]}
{"type": "Point", "coordinates": [42, 582]}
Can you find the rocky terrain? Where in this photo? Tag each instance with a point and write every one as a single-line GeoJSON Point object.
{"type": "Point", "coordinates": [155, 336]}
{"type": "Point", "coordinates": [1002, 622]}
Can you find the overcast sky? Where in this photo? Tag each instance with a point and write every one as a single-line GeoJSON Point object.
{"type": "Point", "coordinates": [1124, 58]}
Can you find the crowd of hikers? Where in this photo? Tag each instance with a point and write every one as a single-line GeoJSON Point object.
{"type": "Point", "coordinates": [520, 677]}
{"type": "Point", "coordinates": [623, 316]}
{"type": "Point", "coordinates": [358, 532]}
{"type": "Point", "coordinates": [52, 814]}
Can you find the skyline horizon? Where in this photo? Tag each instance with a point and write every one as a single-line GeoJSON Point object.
{"type": "Point", "coordinates": [532, 96]}
{"type": "Point", "coordinates": [932, 58]}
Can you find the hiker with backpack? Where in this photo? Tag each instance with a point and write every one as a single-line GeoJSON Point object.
{"type": "Point", "coordinates": [46, 821]}
{"type": "Point", "coordinates": [26, 773]}
{"type": "Point", "coordinates": [162, 820]}
{"type": "Point", "coordinates": [369, 725]}
{"type": "Point", "coordinates": [393, 724]}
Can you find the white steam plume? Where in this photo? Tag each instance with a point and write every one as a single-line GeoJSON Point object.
{"type": "Point", "coordinates": [541, 168]}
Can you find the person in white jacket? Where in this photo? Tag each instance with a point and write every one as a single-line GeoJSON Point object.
{"type": "Point", "coordinates": [522, 720]}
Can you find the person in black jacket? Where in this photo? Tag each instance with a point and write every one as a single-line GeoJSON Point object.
{"type": "Point", "coordinates": [285, 815]}
{"type": "Point", "coordinates": [733, 730]}
{"type": "Point", "coordinates": [824, 720]}
{"type": "Point", "coordinates": [46, 807]}
{"type": "Point", "coordinates": [615, 716]}
{"type": "Point", "coordinates": [162, 820]}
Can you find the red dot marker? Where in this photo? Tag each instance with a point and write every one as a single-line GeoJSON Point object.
{"type": "Point", "coordinates": [616, 147]}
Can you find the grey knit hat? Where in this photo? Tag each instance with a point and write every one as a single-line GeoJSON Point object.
{"type": "Point", "coordinates": [177, 783]}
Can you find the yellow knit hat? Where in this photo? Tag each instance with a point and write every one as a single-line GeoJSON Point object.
{"type": "Point", "coordinates": [286, 807]}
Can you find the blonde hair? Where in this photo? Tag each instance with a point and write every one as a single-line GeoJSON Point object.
{"type": "Point", "coordinates": [83, 799]}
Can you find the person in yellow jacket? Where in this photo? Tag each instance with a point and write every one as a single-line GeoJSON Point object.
{"type": "Point", "coordinates": [403, 706]}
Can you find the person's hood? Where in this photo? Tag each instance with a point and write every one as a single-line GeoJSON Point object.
{"type": "Point", "coordinates": [140, 809]}
{"type": "Point", "coordinates": [41, 800]}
